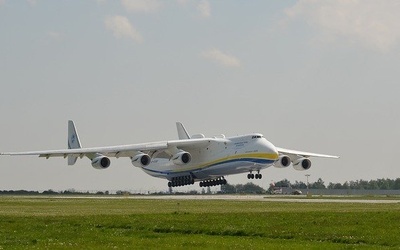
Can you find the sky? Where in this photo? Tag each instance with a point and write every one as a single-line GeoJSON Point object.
{"type": "Point", "coordinates": [317, 76]}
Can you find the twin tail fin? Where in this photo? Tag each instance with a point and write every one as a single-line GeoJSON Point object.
{"type": "Point", "coordinates": [73, 141]}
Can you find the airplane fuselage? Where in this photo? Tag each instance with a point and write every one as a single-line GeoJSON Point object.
{"type": "Point", "coordinates": [189, 159]}
{"type": "Point", "coordinates": [223, 156]}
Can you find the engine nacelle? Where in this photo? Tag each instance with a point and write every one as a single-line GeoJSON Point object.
{"type": "Point", "coordinates": [302, 164]}
{"type": "Point", "coordinates": [283, 162]}
{"type": "Point", "coordinates": [181, 158]}
{"type": "Point", "coordinates": [141, 160]}
{"type": "Point", "coordinates": [101, 162]}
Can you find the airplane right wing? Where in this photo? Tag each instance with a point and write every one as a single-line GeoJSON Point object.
{"type": "Point", "coordinates": [166, 148]}
{"type": "Point", "coordinates": [118, 151]}
{"type": "Point", "coordinates": [296, 153]}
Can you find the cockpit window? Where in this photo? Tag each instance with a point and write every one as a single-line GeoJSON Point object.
{"type": "Point", "coordinates": [256, 136]}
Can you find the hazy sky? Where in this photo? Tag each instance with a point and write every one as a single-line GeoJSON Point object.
{"type": "Point", "coordinates": [319, 76]}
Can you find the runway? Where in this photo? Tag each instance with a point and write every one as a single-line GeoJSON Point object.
{"type": "Point", "coordinates": [294, 199]}
{"type": "Point", "coordinates": [264, 198]}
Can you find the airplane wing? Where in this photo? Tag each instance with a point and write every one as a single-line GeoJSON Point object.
{"type": "Point", "coordinates": [118, 151]}
{"type": "Point", "coordinates": [295, 154]}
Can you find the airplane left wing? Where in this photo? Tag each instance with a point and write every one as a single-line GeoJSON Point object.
{"type": "Point", "coordinates": [299, 159]}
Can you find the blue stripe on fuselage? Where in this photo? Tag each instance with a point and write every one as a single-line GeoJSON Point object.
{"type": "Point", "coordinates": [247, 160]}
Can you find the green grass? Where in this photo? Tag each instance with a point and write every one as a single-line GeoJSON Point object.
{"type": "Point", "coordinates": [196, 224]}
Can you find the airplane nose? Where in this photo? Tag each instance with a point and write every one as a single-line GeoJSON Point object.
{"type": "Point", "coordinates": [275, 153]}
{"type": "Point", "coordinates": [272, 151]}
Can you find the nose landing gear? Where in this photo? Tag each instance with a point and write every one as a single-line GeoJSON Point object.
{"type": "Point", "coordinates": [252, 176]}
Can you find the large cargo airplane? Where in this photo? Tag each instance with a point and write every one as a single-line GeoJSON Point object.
{"type": "Point", "coordinates": [191, 158]}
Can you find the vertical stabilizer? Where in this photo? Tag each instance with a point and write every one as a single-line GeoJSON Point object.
{"type": "Point", "coordinates": [73, 141]}
{"type": "Point", "coordinates": [182, 133]}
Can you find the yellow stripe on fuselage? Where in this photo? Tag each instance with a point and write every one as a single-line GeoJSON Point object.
{"type": "Point", "coordinates": [264, 156]}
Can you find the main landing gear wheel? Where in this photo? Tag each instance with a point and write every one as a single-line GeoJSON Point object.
{"type": "Point", "coordinates": [215, 182]}
{"type": "Point", "coordinates": [181, 181]}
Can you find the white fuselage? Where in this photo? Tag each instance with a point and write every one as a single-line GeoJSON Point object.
{"type": "Point", "coordinates": [223, 156]}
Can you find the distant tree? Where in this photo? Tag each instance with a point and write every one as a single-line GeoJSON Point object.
{"type": "Point", "coordinates": [363, 184]}
{"type": "Point", "coordinates": [50, 191]}
{"type": "Point", "coordinates": [319, 184]}
{"type": "Point", "coordinates": [384, 184]}
{"type": "Point", "coordinates": [248, 188]}
{"type": "Point", "coordinates": [283, 183]}
{"type": "Point", "coordinates": [396, 184]}
{"type": "Point", "coordinates": [299, 185]}
{"type": "Point", "coordinates": [251, 188]}
{"type": "Point", "coordinates": [239, 188]}
{"type": "Point", "coordinates": [338, 186]}
{"type": "Point", "coordinates": [19, 192]}
{"type": "Point", "coordinates": [228, 189]}
{"type": "Point", "coordinates": [335, 186]}
{"type": "Point", "coordinates": [354, 185]}
{"type": "Point", "coordinates": [372, 185]}
{"type": "Point", "coordinates": [390, 183]}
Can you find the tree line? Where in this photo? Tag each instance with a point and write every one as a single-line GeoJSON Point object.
{"type": "Point", "coordinates": [248, 188]}
{"type": "Point", "coordinates": [378, 184]}
{"type": "Point", "coordinates": [51, 192]}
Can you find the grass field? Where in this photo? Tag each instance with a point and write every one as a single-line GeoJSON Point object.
{"type": "Point", "coordinates": [57, 223]}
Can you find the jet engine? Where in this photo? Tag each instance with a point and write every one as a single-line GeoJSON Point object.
{"type": "Point", "coordinates": [283, 162]}
{"type": "Point", "coordinates": [302, 164]}
{"type": "Point", "coordinates": [141, 160]}
{"type": "Point", "coordinates": [181, 158]}
{"type": "Point", "coordinates": [101, 162]}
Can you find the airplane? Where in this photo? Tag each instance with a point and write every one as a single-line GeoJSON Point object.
{"type": "Point", "coordinates": [190, 159]}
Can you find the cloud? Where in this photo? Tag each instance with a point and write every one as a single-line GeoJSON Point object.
{"type": "Point", "coordinates": [221, 58]}
{"type": "Point", "coordinates": [55, 36]}
{"type": "Point", "coordinates": [2, 2]}
{"type": "Point", "coordinates": [32, 2]}
{"type": "Point", "coordinates": [121, 27]}
{"type": "Point", "coordinates": [204, 8]}
{"type": "Point", "coordinates": [371, 23]}
{"type": "Point", "coordinates": [141, 5]}
{"type": "Point", "coordinates": [182, 2]}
